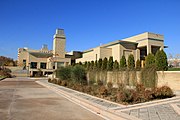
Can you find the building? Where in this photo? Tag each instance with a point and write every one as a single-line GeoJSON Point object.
{"type": "Point", "coordinates": [45, 60]}
{"type": "Point", "coordinates": [139, 45]}
{"type": "Point", "coordinates": [49, 60]}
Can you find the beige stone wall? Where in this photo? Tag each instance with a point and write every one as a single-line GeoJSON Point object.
{"type": "Point", "coordinates": [169, 78]}
{"type": "Point", "coordinates": [105, 52]}
{"type": "Point", "coordinates": [115, 51]}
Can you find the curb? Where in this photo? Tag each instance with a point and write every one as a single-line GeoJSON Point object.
{"type": "Point", "coordinates": [108, 114]}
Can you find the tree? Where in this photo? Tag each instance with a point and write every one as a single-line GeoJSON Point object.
{"type": "Point", "coordinates": [131, 62]}
{"type": "Point", "coordinates": [99, 63]}
{"type": "Point", "coordinates": [104, 64]}
{"type": "Point", "coordinates": [161, 60]}
{"type": "Point", "coordinates": [138, 64]}
{"type": "Point", "coordinates": [85, 64]}
{"type": "Point", "coordinates": [80, 63]}
{"type": "Point", "coordinates": [116, 65]}
{"type": "Point", "coordinates": [92, 65]}
{"type": "Point", "coordinates": [88, 65]}
{"type": "Point", "coordinates": [79, 74]}
{"type": "Point", "coordinates": [149, 60]}
{"type": "Point", "coordinates": [123, 62]}
{"type": "Point", "coordinates": [110, 64]}
{"type": "Point", "coordinates": [95, 65]}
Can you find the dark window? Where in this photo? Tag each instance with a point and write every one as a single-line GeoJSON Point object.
{"type": "Point", "coordinates": [43, 65]}
{"type": "Point", "coordinates": [33, 64]}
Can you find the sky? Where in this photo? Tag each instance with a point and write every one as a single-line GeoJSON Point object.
{"type": "Point", "coordinates": [87, 23]}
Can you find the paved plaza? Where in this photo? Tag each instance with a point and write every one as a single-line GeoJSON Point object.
{"type": "Point", "coordinates": [24, 99]}
{"type": "Point", "coordinates": [34, 99]}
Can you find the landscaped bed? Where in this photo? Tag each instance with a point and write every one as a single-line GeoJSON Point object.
{"type": "Point", "coordinates": [121, 94]}
{"type": "Point", "coordinates": [91, 78]}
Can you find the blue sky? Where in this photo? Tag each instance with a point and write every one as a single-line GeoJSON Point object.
{"type": "Point", "coordinates": [87, 23]}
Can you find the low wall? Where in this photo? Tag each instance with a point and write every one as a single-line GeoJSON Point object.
{"type": "Point", "coordinates": [169, 78]}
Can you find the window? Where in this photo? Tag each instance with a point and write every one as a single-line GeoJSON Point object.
{"type": "Point", "coordinates": [43, 65]}
{"type": "Point", "coordinates": [33, 64]}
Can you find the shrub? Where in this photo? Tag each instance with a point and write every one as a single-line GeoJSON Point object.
{"type": "Point", "coordinates": [138, 64]}
{"type": "Point", "coordinates": [5, 74]}
{"type": "Point", "coordinates": [110, 64]}
{"type": "Point", "coordinates": [149, 76]}
{"type": "Point", "coordinates": [95, 65]}
{"type": "Point", "coordinates": [88, 65]}
{"type": "Point", "coordinates": [123, 62]}
{"type": "Point", "coordinates": [88, 89]}
{"type": "Point", "coordinates": [99, 63]}
{"type": "Point", "coordinates": [64, 73]}
{"type": "Point", "coordinates": [99, 82]}
{"type": "Point", "coordinates": [79, 74]}
{"type": "Point", "coordinates": [140, 88]}
{"type": "Point", "coordinates": [163, 92]}
{"type": "Point", "coordinates": [54, 80]}
{"type": "Point", "coordinates": [85, 64]}
{"type": "Point", "coordinates": [109, 85]}
{"type": "Point", "coordinates": [131, 62]}
{"type": "Point", "coordinates": [64, 83]}
{"type": "Point", "coordinates": [103, 91]}
{"type": "Point", "coordinates": [92, 65]}
{"type": "Point", "coordinates": [125, 96]}
{"type": "Point", "coordinates": [116, 65]}
{"type": "Point", "coordinates": [104, 64]}
{"type": "Point", "coordinates": [161, 60]}
{"type": "Point", "coordinates": [149, 60]}
{"type": "Point", "coordinates": [49, 79]}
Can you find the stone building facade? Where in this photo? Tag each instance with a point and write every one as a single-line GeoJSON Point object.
{"type": "Point", "coordinates": [139, 45]}
{"type": "Point", "coordinates": [45, 60]}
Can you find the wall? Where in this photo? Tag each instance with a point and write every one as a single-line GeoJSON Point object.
{"type": "Point", "coordinates": [169, 78]}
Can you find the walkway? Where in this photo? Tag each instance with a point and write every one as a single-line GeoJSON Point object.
{"type": "Point", "coordinates": [24, 99]}
{"type": "Point", "coordinates": [167, 109]}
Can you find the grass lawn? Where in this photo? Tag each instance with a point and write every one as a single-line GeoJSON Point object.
{"type": "Point", "coordinates": [173, 69]}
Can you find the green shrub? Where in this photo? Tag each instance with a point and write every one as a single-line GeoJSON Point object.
{"type": "Point", "coordinates": [85, 64]}
{"type": "Point", "coordinates": [99, 64]}
{"type": "Point", "coordinates": [79, 74]}
{"type": "Point", "coordinates": [104, 64]}
{"type": "Point", "coordinates": [88, 65]}
{"type": "Point", "coordinates": [149, 76]}
{"type": "Point", "coordinates": [116, 65]}
{"type": "Point", "coordinates": [161, 60]}
{"type": "Point", "coordinates": [110, 64]}
{"type": "Point", "coordinates": [131, 62]}
{"type": "Point", "coordinates": [123, 62]}
{"type": "Point", "coordinates": [149, 60]}
{"type": "Point", "coordinates": [138, 64]}
{"type": "Point", "coordinates": [92, 65]}
{"type": "Point", "coordinates": [95, 65]}
{"type": "Point", "coordinates": [64, 73]}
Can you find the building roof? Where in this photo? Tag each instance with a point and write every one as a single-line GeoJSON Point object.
{"type": "Point", "coordinates": [113, 43]}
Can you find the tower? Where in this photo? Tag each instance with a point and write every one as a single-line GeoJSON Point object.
{"type": "Point", "coordinates": [59, 44]}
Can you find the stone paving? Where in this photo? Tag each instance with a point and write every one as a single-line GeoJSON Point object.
{"type": "Point", "coordinates": [160, 110]}
{"type": "Point", "coordinates": [24, 99]}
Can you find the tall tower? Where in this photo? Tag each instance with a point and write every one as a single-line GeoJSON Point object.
{"type": "Point", "coordinates": [59, 44]}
